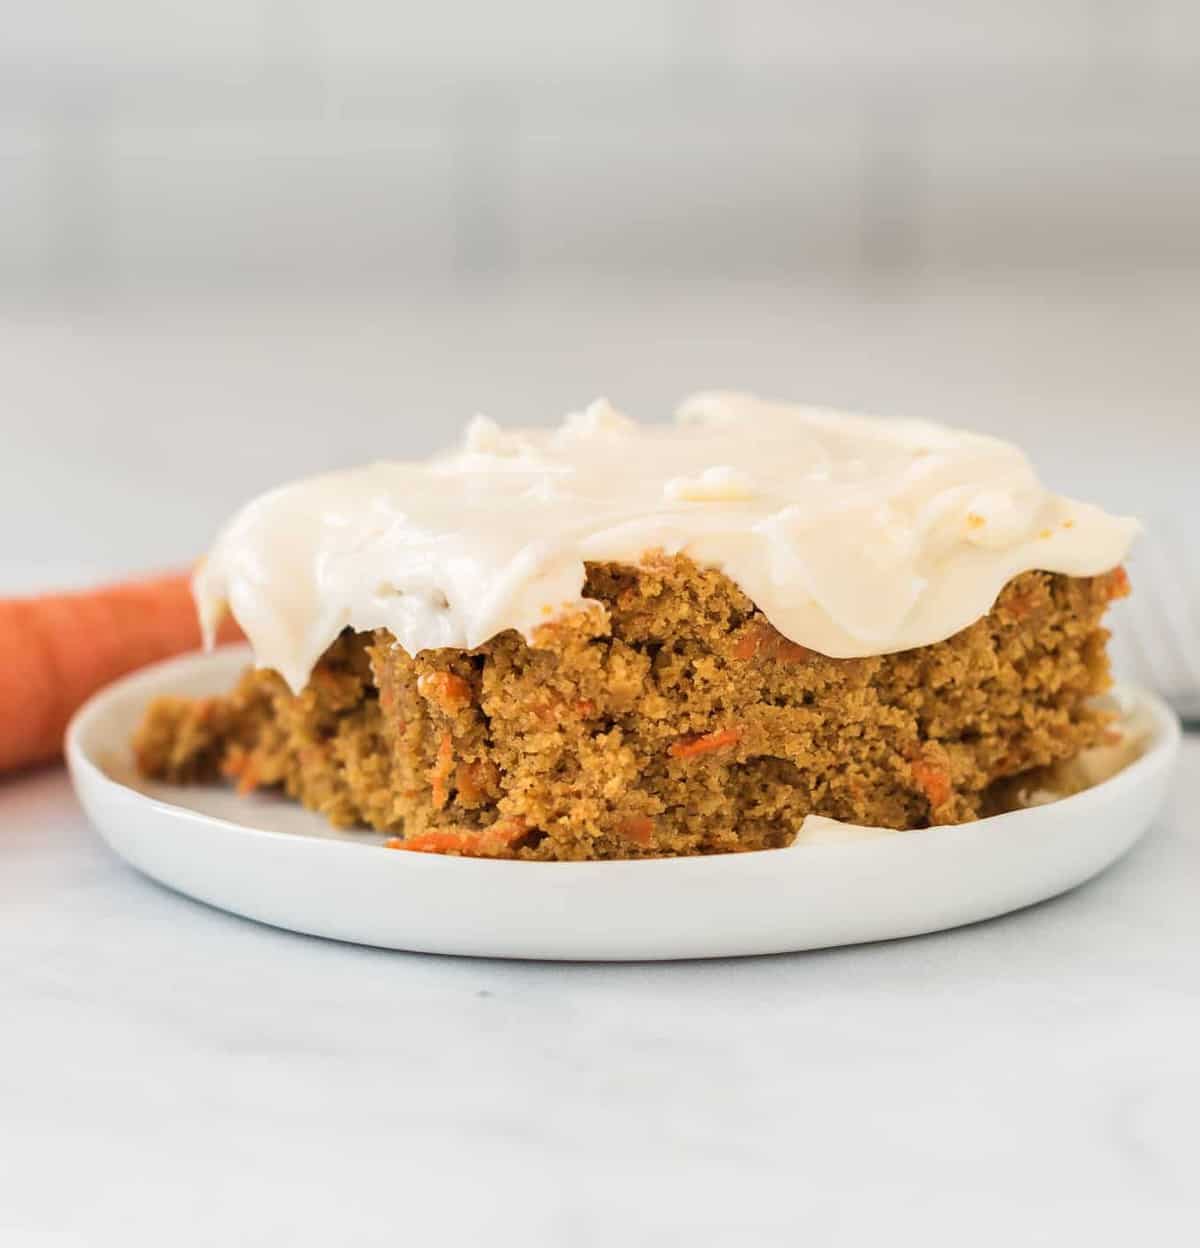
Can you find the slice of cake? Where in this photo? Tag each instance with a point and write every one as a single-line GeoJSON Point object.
{"type": "Point", "coordinates": [615, 641]}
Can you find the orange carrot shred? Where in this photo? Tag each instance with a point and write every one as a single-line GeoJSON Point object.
{"type": "Point", "coordinates": [234, 762]}
{"type": "Point", "coordinates": [1021, 606]}
{"type": "Point", "coordinates": [790, 651]}
{"type": "Point", "coordinates": [490, 842]}
{"type": "Point", "coordinates": [240, 765]}
{"type": "Point", "coordinates": [249, 780]}
{"type": "Point", "coordinates": [475, 781]}
{"type": "Point", "coordinates": [1118, 584]}
{"type": "Point", "coordinates": [760, 640]}
{"type": "Point", "coordinates": [706, 743]}
{"type": "Point", "coordinates": [745, 648]}
{"type": "Point", "coordinates": [636, 828]}
{"type": "Point", "coordinates": [449, 691]}
{"type": "Point", "coordinates": [933, 781]}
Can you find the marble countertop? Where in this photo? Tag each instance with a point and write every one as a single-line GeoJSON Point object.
{"type": "Point", "coordinates": [173, 1074]}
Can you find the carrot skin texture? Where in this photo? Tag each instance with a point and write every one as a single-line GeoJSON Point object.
{"type": "Point", "coordinates": [56, 650]}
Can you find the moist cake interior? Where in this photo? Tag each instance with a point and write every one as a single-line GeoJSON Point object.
{"type": "Point", "coordinates": [668, 718]}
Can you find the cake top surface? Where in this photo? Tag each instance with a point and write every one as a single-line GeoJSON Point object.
{"type": "Point", "coordinates": [854, 535]}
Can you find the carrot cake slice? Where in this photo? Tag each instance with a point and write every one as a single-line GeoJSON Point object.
{"type": "Point", "coordinates": [614, 640]}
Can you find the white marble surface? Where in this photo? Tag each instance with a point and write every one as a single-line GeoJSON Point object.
{"type": "Point", "coordinates": [170, 1074]}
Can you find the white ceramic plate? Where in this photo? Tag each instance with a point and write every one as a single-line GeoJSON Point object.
{"type": "Point", "coordinates": [269, 860]}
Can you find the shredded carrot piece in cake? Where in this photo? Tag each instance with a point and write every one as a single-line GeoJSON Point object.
{"type": "Point", "coordinates": [440, 775]}
{"type": "Point", "coordinates": [637, 828]}
{"type": "Point", "coordinates": [1118, 584]}
{"type": "Point", "coordinates": [448, 691]}
{"type": "Point", "coordinates": [1022, 606]}
{"type": "Point", "coordinates": [706, 743]}
{"type": "Point", "coordinates": [234, 762]}
{"type": "Point", "coordinates": [475, 780]}
{"type": "Point", "coordinates": [490, 842]}
{"type": "Point", "coordinates": [934, 782]}
{"type": "Point", "coordinates": [240, 766]}
{"type": "Point", "coordinates": [551, 708]}
{"type": "Point", "coordinates": [762, 641]}
{"type": "Point", "coordinates": [746, 648]}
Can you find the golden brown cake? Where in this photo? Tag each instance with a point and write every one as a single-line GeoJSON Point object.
{"type": "Point", "coordinates": [674, 721]}
{"type": "Point", "coordinates": [662, 711]}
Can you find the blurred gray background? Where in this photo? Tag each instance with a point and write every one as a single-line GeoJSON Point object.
{"type": "Point", "coordinates": [248, 239]}
{"type": "Point", "coordinates": [154, 142]}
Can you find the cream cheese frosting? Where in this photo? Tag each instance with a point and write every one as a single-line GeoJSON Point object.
{"type": "Point", "coordinates": [855, 535]}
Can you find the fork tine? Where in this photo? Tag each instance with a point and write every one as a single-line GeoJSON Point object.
{"type": "Point", "coordinates": [1136, 629]}
{"type": "Point", "coordinates": [1168, 578]}
{"type": "Point", "coordinates": [1163, 622]}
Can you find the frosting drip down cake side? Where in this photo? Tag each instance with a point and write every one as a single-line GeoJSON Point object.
{"type": "Point", "coordinates": [619, 641]}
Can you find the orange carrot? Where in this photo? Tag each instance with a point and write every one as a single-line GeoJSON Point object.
{"type": "Point", "coordinates": [1022, 605]}
{"type": "Point", "coordinates": [490, 842]}
{"type": "Point", "coordinates": [746, 647]}
{"type": "Point", "coordinates": [58, 649]}
{"type": "Point", "coordinates": [933, 781]}
{"type": "Point", "coordinates": [234, 762]}
{"type": "Point", "coordinates": [240, 765]}
{"type": "Point", "coordinates": [708, 743]}
{"type": "Point", "coordinates": [760, 640]}
{"type": "Point", "coordinates": [448, 690]}
{"type": "Point", "coordinates": [474, 781]}
{"type": "Point", "coordinates": [636, 828]}
{"type": "Point", "coordinates": [1118, 584]}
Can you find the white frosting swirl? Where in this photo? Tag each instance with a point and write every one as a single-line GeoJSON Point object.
{"type": "Point", "coordinates": [854, 535]}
